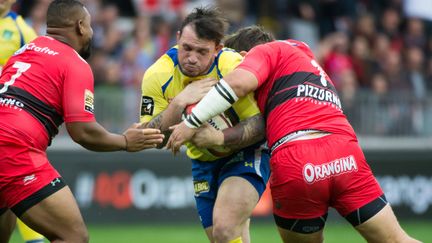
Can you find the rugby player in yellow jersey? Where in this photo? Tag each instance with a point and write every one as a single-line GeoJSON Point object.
{"type": "Point", "coordinates": [14, 33]}
{"type": "Point", "coordinates": [227, 188]}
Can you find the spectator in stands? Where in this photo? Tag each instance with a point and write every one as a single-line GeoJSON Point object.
{"type": "Point", "coordinates": [361, 60]}
{"type": "Point", "coordinates": [390, 25]}
{"type": "Point", "coordinates": [365, 26]}
{"type": "Point", "coordinates": [338, 61]}
{"type": "Point", "coordinates": [302, 24]}
{"type": "Point", "coordinates": [415, 33]}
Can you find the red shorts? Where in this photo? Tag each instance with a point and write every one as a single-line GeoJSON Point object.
{"type": "Point", "coordinates": [308, 176]}
{"type": "Point", "coordinates": [23, 171]}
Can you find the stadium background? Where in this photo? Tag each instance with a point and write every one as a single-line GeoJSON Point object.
{"type": "Point", "coordinates": [378, 53]}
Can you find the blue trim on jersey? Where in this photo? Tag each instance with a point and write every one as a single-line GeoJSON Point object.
{"type": "Point", "coordinates": [36, 241]}
{"type": "Point", "coordinates": [172, 53]}
{"type": "Point", "coordinates": [212, 66]}
{"type": "Point", "coordinates": [165, 86]}
{"type": "Point", "coordinates": [14, 16]}
{"type": "Point", "coordinates": [217, 67]}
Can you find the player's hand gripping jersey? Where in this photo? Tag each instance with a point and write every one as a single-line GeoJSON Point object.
{"type": "Point", "coordinates": [294, 93]}
{"type": "Point", "coordinates": [42, 84]}
{"type": "Point", "coordinates": [164, 80]}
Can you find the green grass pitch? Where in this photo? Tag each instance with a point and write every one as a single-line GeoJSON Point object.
{"type": "Point", "coordinates": [261, 232]}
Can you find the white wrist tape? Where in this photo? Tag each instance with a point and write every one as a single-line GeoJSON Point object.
{"type": "Point", "coordinates": [216, 101]}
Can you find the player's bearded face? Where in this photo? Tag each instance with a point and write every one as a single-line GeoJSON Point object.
{"type": "Point", "coordinates": [195, 55]}
{"type": "Point", "coordinates": [86, 50]}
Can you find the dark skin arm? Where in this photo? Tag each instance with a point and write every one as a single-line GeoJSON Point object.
{"type": "Point", "coordinates": [246, 133]}
{"type": "Point", "coordinates": [92, 136]}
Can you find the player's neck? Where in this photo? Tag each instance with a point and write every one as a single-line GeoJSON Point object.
{"type": "Point", "coordinates": [62, 36]}
{"type": "Point", "coordinates": [4, 13]}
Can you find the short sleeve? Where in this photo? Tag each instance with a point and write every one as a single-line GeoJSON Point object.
{"type": "Point", "coordinates": [228, 60]}
{"type": "Point", "coordinates": [259, 62]}
{"type": "Point", "coordinates": [78, 92]}
{"type": "Point", "coordinates": [153, 101]}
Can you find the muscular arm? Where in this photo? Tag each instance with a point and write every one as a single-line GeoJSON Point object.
{"type": "Point", "coordinates": [165, 119]}
{"type": "Point", "coordinates": [246, 133]}
{"type": "Point", "coordinates": [92, 136]}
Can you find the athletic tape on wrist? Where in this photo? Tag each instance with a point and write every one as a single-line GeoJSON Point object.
{"type": "Point", "coordinates": [216, 101]}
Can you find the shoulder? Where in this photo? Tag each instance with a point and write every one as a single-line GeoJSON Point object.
{"type": "Point", "coordinates": [228, 57]}
{"type": "Point", "coordinates": [164, 67]}
{"type": "Point", "coordinates": [21, 22]}
{"type": "Point", "coordinates": [227, 54]}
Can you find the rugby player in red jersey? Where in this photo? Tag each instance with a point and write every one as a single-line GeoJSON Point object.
{"type": "Point", "coordinates": [45, 83]}
{"type": "Point", "coordinates": [316, 161]}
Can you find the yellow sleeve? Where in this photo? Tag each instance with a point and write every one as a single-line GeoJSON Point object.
{"type": "Point", "coordinates": [28, 33]}
{"type": "Point", "coordinates": [228, 60]}
{"type": "Point", "coordinates": [246, 106]}
{"type": "Point", "coordinates": [153, 100]}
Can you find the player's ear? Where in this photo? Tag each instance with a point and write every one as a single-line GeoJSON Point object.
{"type": "Point", "coordinates": [80, 27]}
{"type": "Point", "coordinates": [243, 53]}
{"type": "Point", "coordinates": [178, 35]}
{"type": "Point", "coordinates": [219, 48]}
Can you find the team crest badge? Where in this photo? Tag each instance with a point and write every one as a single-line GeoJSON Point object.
{"type": "Point", "coordinates": [7, 34]}
{"type": "Point", "coordinates": [88, 101]}
{"type": "Point", "coordinates": [147, 106]}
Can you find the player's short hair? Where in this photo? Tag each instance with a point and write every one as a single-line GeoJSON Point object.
{"type": "Point", "coordinates": [63, 13]}
{"type": "Point", "coordinates": [248, 37]}
{"type": "Point", "coordinates": [209, 24]}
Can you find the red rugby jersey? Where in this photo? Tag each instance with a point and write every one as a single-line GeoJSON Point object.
{"type": "Point", "coordinates": [54, 73]}
{"type": "Point", "coordinates": [294, 93]}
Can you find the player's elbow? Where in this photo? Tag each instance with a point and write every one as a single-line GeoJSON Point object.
{"type": "Point", "coordinates": [240, 90]}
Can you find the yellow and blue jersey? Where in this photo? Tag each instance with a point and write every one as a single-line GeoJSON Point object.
{"type": "Point", "coordinates": [14, 33]}
{"type": "Point", "coordinates": [164, 80]}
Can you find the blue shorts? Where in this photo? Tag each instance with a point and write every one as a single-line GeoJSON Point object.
{"type": "Point", "coordinates": [251, 163]}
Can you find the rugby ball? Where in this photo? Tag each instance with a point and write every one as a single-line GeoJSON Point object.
{"type": "Point", "coordinates": [219, 122]}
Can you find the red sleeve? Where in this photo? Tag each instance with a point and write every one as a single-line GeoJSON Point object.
{"type": "Point", "coordinates": [259, 62]}
{"type": "Point", "coordinates": [78, 93]}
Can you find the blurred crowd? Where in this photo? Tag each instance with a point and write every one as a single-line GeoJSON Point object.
{"type": "Point", "coordinates": [377, 52]}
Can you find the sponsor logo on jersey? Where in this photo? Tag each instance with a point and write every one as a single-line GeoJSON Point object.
{"type": "Point", "coordinates": [33, 47]}
{"type": "Point", "coordinates": [88, 101]}
{"type": "Point", "coordinates": [201, 186]}
{"type": "Point", "coordinates": [11, 102]}
{"type": "Point", "coordinates": [147, 106]}
{"type": "Point", "coordinates": [313, 173]}
{"type": "Point", "coordinates": [319, 94]}
{"type": "Point", "coordinates": [29, 179]}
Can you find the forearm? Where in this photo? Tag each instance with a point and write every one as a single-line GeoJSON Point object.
{"type": "Point", "coordinates": [171, 116]}
{"type": "Point", "coordinates": [106, 143]}
{"type": "Point", "coordinates": [96, 138]}
{"type": "Point", "coordinates": [246, 133]}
